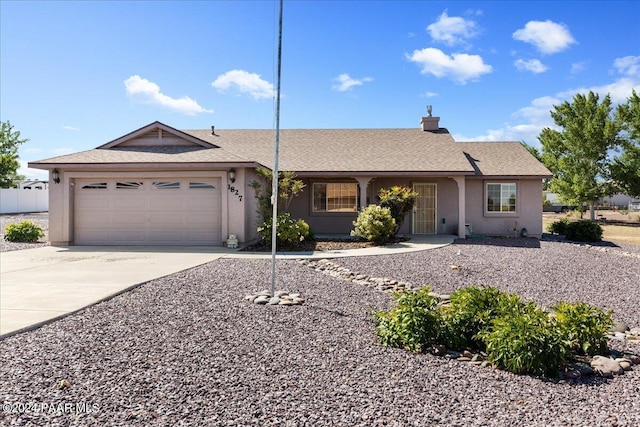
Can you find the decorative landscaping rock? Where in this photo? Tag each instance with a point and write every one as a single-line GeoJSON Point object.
{"type": "Point", "coordinates": [439, 350]}
{"type": "Point", "coordinates": [280, 298]}
{"type": "Point", "coordinates": [625, 364]}
{"type": "Point", "coordinates": [606, 367]}
{"type": "Point", "coordinates": [619, 327]}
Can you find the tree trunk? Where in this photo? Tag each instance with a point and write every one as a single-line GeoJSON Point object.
{"type": "Point", "coordinates": [592, 211]}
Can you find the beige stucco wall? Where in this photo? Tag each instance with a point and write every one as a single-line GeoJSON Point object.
{"type": "Point", "coordinates": [250, 207]}
{"type": "Point", "coordinates": [57, 212]}
{"type": "Point", "coordinates": [528, 215]}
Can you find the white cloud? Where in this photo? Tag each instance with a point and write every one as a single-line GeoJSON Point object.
{"type": "Point", "coordinates": [429, 94]}
{"type": "Point", "coordinates": [146, 92]}
{"type": "Point", "coordinates": [452, 30]}
{"type": "Point", "coordinates": [459, 67]}
{"type": "Point", "coordinates": [547, 36]}
{"type": "Point", "coordinates": [532, 65]}
{"type": "Point", "coordinates": [628, 65]}
{"type": "Point", "coordinates": [578, 67]}
{"type": "Point", "coordinates": [244, 82]}
{"type": "Point", "coordinates": [69, 128]}
{"type": "Point", "coordinates": [344, 82]}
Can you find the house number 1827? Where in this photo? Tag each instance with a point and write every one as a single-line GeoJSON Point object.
{"type": "Point", "coordinates": [234, 190]}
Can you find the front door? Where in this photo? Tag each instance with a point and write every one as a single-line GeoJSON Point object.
{"type": "Point", "coordinates": [424, 211]}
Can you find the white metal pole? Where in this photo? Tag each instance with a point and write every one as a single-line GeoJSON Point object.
{"type": "Point", "coordinates": [274, 189]}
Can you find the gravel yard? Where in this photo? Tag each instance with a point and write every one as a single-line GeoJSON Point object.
{"type": "Point", "coordinates": [188, 350]}
{"type": "Point", "coordinates": [41, 219]}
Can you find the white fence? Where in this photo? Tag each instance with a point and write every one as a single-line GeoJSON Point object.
{"type": "Point", "coordinates": [14, 200]}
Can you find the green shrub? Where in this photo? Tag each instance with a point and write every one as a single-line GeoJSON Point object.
{"type": "Point", "coordinates": [558, 227]}
{"type": "Point", "coordinates": [471, 311]}
{"type": "Point", "coordinates": [26, 231]}
{"type": "Point", "coordinates": [374, 223]}
{"type": "Point", "coordinates": [583, 231]}
{"type": "Point", "coordinates": [290, 232]}
{"type": "Point", "coordinates": [414, 324]}
{"type": "Point", "coordinates": [521, 338]}
{"type": "Point", "coordinates": [526, 341]}
{"type": "Point", "coordinates": [400, 201]}
{"type": "Point", "coordinates": [584, 326]}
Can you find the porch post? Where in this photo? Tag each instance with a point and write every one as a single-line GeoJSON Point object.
{"type": "Point", "coordinates": [363, 183]}
{"type": "Point", "coordinates": [461, 205]}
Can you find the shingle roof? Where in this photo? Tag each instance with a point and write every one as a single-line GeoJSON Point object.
{"type": "Point", "coordinates": [322, 151]}
{"type": "Point", "coordinates": [502, 159]}
{"type": "Point", "coordinates": [146, 154]}
{"type": "Point", "coordinates": [342, 150]}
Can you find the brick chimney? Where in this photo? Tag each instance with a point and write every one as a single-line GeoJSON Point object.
{"type": "Point", "coordinates": [430, 123]}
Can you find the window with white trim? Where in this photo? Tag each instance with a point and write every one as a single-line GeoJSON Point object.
{"type": "Point", "coordinates": [128, 185]}
{"type": "Point", "coordinates": [95, 186]}
{"type": "Point", "coordinates": [335, 197]}
{"type": "Point", "coordinates": [502, 197]}
{"type": "Point", "coordinates": [167, 185]}
{"type": "Point", "coordinates": [201, 186]}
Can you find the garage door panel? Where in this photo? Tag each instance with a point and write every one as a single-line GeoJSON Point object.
{"type": "Point", "coordinates": [202, 237]}
{"type": "Point", "coordinates": [129, 236]}
{"type": "Point", "coordinates": [93, 202]}
{"type": "Point", "coordinates": [156, 236]}
{"type": "Point", "coordinates": [205, 203]}
{"type": "Point", "coordinates": [128, 221]}
{"type": "Point", "coordinates": [165, 219]}
{"type": "Point", "coordinates": [129, 202]}
{"type": "Point", "coordinates": [145, 214]}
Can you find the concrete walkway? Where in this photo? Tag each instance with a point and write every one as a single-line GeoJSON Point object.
{"type": "Point", "coordinates": [43, 284]}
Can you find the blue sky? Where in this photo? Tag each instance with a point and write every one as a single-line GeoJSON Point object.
{"type": "Point", "coordinates": [74, 75]}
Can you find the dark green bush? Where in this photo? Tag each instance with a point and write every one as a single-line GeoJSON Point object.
{"type": "Point", "coordinates": [558, 227]}
{"type": "Point", "coordinates": [25, 231]}
{"type": "Point", "coordinates": [584, 326]}
{"type": "Point", "coordinates": [583, 231]}
{"type": "Point", "coordinates": [471, 311]}
{"type": "Point", "coordinates": [290, 232]}
{"type": "Point", "coordinates": [526, 341]}
{"type": "Point", "coordinates": [414, 324]}
{"type": "Point", "coordinates": [374, 223]}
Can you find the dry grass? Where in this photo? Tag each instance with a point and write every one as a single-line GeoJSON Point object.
{"type": "Point", "coordinates": [625, 230]}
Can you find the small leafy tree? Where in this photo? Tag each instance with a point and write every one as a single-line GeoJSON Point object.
{"type": "Point", "coordinates": [399, 201]}
{"type": "Point", "coordinates": [10, 141]}
{"type": "Point", "coordinates": [578, 153]}
{"type": "Point", "coordinates": [288, 188]}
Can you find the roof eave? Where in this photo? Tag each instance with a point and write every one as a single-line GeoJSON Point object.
{"type": "Point", "coordinates": [142, 165]}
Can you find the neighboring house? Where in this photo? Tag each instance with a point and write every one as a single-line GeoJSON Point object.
{"type": "Point", "coordinates": [33, 185]}
{"type": "Point", "coordinates": [162, 186]}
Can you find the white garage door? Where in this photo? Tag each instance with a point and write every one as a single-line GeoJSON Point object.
{"type": "Point", "coordinates": [132, 211]}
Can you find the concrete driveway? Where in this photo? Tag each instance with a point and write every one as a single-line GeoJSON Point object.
{"type": "Point", "coordinates": [42, 284]}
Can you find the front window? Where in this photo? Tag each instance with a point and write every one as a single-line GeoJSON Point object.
{"type": "Point", "coordinates": [501, 198]}
{"type": "Point", "coordinates": [335, 197]}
